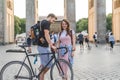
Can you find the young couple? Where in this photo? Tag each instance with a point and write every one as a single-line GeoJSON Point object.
{"type": "Point", "coordinates": [64, 39]}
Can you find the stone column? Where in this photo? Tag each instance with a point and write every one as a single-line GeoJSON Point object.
{"type": "Point", "coordinates": [69, 12]}
{"type": "Point", "coordinates": [116, 19]}
{"type": "Point", "coordinates": [6, 21]}
{"type": "Point", "coordinates": [9, 22]}
{"type": "Point", "coordinates": [100, 19]}
{"type": "Point", "coordinates": [2, 2]}
{"type": "Point", "coordinates": [31, 13]}
{"type": "Point", "coordinates": [91, 19]}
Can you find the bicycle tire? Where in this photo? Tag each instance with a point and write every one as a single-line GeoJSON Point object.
{"type": "Point", "coordinates": [55, 73]}
{"type": "Point", "coordinates": [13, 67]}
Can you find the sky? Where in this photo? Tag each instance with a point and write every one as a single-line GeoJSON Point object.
{"type": "Point", "coordinates": [57, 7]}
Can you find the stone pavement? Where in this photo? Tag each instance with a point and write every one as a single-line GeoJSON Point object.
{"type": "Point", "coordinates": [99, 63]}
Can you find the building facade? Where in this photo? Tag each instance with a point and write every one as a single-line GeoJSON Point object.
{"type": "Point", "coordinates": [6, 21]}
{"type": "Point", "coordinates": [96, 12]}
{"type": "Point", "coordinates": [91, 19]}
{"type": "Point", "coordinates": [116, 19]}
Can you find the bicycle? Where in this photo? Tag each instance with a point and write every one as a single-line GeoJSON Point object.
{"type": "Point", "coordinates": [19, 70]}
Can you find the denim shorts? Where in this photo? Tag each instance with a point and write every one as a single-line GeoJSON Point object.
{"type": "Point", "coordinates": [45, 58]}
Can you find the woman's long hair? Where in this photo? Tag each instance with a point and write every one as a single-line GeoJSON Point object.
{"type": "Point", "coordinates": [68, 26]}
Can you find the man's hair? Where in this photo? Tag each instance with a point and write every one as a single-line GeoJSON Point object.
{"type": "Point", "coordinates": [52, 15]}
{"type": "Point", "coordinates": [38, 22]}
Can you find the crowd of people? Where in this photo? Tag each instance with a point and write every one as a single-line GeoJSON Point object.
{"type": "Point", "coordinates": [84, 39]}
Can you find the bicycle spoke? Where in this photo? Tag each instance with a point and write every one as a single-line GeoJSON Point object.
{"type": "Point", "coordinates": [63, 73]}
{"type": "Point", "coordinates": [10, 72]}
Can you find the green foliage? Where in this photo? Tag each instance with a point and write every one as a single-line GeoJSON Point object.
{"type": "Point", "coordinates": [23, 25]}
{"type": "Point", "coordinates": [19, 25]}
{"type": "Point", "coordinates": [82, 24]}
{"type": "Point", "coordinates": [109, 22]}
{"type": "Point", "coordinates": [16, 24]}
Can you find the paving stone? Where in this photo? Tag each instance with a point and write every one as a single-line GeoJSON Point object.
{"type": "Point", "coordinates": [99, 63]}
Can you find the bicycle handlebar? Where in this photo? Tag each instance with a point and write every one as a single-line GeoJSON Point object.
{"type": "Point", "coordinates": [14, 50]}
{"type": "Point", "coordinates": [66, 49]}
{"type": "Point", "coordinates": [18, 50]}
{"type": "Point", "coordinates": [23, 51]}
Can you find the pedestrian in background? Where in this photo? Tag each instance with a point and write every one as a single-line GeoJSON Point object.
{"type": "Point", "coordinates": [95, 39]}
{"type": "Point", "coordinates": [81, 39]}
{"type": "Point", "coordinates": [53, 37]}
{"type": "Point", "coordinates": [87, 41]}
{"type": "Point", "coordinates": [112, 41]}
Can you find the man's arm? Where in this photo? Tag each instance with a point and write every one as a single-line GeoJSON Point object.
{"type": "Point", "coordinates": [47, 36]}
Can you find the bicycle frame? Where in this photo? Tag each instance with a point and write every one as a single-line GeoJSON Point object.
{"type": "Point", "coordinates": [53, 57]}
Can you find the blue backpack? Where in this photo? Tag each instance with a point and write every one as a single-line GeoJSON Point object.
{"type": "Point", "coordinates": [36, 33]}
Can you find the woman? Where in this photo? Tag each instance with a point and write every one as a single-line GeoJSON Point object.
{"type": "Point", "coordinates": [111, 40]}
{"type": "Point", "coordinates": [66, 38]}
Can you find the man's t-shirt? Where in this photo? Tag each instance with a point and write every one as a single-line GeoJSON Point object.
{"type": "Point", "coordinates": [45, 25]}
{"type": "Point", "coordinates": [80, 36]}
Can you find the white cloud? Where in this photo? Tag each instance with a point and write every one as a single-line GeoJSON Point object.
{"type": "Point", "coordinates": [19, 8]}
{"type": "Point", "coordinates": [51, 6]}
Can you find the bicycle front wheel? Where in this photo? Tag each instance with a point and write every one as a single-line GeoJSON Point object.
{"type": "Point", "coordinates": [61, 70]}
{"type": "Point", "coordinates": [15, 70]}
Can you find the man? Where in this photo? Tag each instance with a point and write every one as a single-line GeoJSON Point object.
{"type": "Point", "coordinates": [95, 38]}
{"type": "Point", "coordinates": [112, 41]}
{"type": "Point", "coordinates": [45, 43]}
{"type": "Point", "coordinates": [81, 39]}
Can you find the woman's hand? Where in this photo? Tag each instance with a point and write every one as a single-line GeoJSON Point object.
{"type": "Point", "coordinates": [72, 54]}
{"type": "Point", "coordinates": [74, 48]}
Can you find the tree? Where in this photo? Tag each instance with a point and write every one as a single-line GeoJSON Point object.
{"type": "Point", "coordinates": [82, 24]}
{"type": "Point", "coordinates": [23, 25]}
{"type": "Point", "coordinates": [19, 24]}
{"type": "Point", "coordinates": [109, 22]}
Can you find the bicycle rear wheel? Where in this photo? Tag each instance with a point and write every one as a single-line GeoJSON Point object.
{"type": "Point", "coordinates": [14, 71]}
{"type": "Point", "coordinates": [61, 70]}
